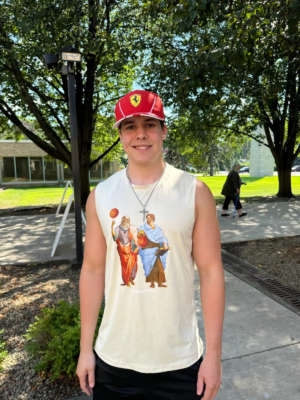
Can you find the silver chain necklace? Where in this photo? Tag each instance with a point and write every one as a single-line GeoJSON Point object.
{"type": "Point", "coordinates": [145, 205]}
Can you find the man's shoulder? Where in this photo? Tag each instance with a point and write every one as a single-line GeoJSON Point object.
{"type": "Point", "coordinates": [179, 177]}
{"type": "Point", "coordinates": [113, 179]}
{"type": "Point", "coordinates": [182, 174]}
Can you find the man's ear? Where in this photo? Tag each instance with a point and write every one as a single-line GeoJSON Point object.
{"type": "Point", "coordinates": [165, 130]}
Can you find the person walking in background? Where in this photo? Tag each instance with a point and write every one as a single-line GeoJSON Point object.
{"type": "Point", "coordinates": [231, 190]}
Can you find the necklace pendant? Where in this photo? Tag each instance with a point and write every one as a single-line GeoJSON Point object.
{"type": "Point", "coordinates": [144, 213]}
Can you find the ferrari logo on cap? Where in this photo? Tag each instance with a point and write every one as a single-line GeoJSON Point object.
{"type": "Point", "coordinates": [135, 100]}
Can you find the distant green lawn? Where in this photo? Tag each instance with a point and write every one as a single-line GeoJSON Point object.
{"type": "Point", "coordinates": [33, 196]}
{"type": "Point", "coordinates": [255, 186]}
{"type": "Point", "coordinates": [43, 196]}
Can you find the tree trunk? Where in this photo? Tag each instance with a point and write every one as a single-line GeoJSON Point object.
{"type": "Point", "coordinates": [85, 183]}
{"type": "Point", "coordinates": [285, 183]}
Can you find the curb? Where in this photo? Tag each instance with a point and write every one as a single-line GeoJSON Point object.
{"type": "Point", "coordinates": [24, 208]}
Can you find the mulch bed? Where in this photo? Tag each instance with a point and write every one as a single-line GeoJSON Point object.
{"type": "Point", "coordinates": [24, 290]}
{"type": "Point", "coordinates": [279, 257]}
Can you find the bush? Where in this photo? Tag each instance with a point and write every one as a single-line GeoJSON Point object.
{"type": "Point", "coordinates": [3, 353]}
{"type": "Point", "coordinates": [54, 340]}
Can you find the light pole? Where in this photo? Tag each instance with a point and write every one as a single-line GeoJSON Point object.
{"type": "Point", "coordinates": [69, 56]}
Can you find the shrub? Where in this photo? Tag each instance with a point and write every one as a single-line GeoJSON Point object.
{"type": "Point", "coordinates": [54, 340]}
{"type": "Point", "coordinates": [3, 353]}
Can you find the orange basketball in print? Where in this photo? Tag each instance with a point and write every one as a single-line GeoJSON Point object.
{"type": "Point", "coordinates": [114, 213]}
{"type": "Point", "coordinates": [142, 241]}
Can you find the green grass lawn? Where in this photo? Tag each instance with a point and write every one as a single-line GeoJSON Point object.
{"type": "Point", "coordinates": [267, 186]}
{"type": "Point", "coordinates": [43, 196]}
{"type": "Point", "coordinates": [33, 196]}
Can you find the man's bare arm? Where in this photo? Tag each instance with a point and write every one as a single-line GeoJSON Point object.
{"type": "Point", "coordinates": [207, 255]}
{"type": "Point", "coordinates": [91, 289]}
{"type": "Point", "coordinates": [112, 229]}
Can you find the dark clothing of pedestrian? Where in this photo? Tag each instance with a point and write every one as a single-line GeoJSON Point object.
{"type": "Point", "coordinates": [227, 202]}
{"type": "Point", "coordinates": [233, 182]}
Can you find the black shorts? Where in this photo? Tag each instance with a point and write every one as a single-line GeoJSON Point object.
{"type": "Point", "coordinates": [112, 383]}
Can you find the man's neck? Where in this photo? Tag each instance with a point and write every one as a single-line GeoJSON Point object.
{"type": "Point", "coordinates": [145, 174]}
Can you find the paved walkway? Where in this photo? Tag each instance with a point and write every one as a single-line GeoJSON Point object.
{"type": "Point", "coordinates": [264, 220]}
{"type": "Point", "coordinates": [29, 239]}
{"type": "Point", "coordinates": [26, 239]}
{"type": "Point", "coordinates": [261, 341]}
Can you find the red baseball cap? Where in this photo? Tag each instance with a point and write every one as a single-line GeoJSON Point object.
{"type": "Point", "coordinates": [139, 102]}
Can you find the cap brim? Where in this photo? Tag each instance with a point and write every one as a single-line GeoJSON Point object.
{"type": "Point", "coordinates": [117, 124]}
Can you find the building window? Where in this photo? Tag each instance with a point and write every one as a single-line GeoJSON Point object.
{"type": "Point", "coordinates": [96, 171]}
{"type": "Point", "coordinates": [8, 169]}
{"type": "Point", "coordinates": [36, 168]}
{"type": "Point", "coordinates": [109, 168]}
{"type": "Point", "coordinates": [50, 170]}
{"type": "Point", "coordinates": [67, 173]}
{"type": "Point", "coordinates": [22, 169]}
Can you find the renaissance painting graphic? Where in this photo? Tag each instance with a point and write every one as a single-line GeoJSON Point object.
{"type": "Point", "coordinates": [125, 235]}
{"type": "Point", "coordinates": [154, 249]}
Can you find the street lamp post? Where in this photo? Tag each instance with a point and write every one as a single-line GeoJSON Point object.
{"type": "Point", "coordinates": [72, 56]}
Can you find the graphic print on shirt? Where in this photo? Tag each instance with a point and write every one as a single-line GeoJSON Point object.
{"type": "Point", "coordinates": [125, 235]}
{"type": "Point", "coordinates": [154, 249]}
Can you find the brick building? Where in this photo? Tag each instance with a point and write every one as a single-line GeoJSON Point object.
{"type": "Point", "coordinates": [24, 163]}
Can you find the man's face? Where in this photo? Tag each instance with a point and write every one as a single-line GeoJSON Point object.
{"type": "Point", "coordinates": [149, 219]}
{"type": "Point", "coordinates": [142, 138]}
{"type": "Point", "coordinates": [125, 222]}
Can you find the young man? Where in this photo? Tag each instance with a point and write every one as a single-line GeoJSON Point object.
{"type": "Point", "coordinates": [148, 346]}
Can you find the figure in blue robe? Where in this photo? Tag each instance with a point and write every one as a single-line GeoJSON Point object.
{"type": "Point", "coordinates": [154, 253]}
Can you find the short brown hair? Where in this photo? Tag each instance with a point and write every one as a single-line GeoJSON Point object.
{"type": "Point", "coordinates": [152, 216]}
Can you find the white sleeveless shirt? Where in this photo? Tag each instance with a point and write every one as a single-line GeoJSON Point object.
{"type": "Point", "coordinates": [145, 328]}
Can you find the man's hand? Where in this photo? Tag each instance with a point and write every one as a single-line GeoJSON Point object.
{"type": "Point", "coordinates": [86, 371]}
{"type": "Point", "coordinates": [210, 373]}
{"type": "Point", "coordinates": [238, 190]}
{"type": "Point", "coordinates": [113, 223]}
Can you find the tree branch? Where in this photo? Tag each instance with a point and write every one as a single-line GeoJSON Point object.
{"type": "Point", "coordinates": [104, 154]}
{"type": "Point", "coordinates": [52, 111]}
{"type": "Point", "coordinates": [48, 130]}
{"type": "Point", "coordinates": [297, 152]}
{"type": "Point", "coordinates": [240, 133]}
{"type": "Point", "coordinates": [9, 113]}
{"type": "Point", "coordinates": [106, 101]}
{"type": "Point", "coordinates": [46, 80]}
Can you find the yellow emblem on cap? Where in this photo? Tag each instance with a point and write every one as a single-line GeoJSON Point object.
{"type": "Point", "coordinates": [135, 99]}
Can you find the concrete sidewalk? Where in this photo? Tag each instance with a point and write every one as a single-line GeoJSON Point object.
{"type": "Point", "coordinates": [28, 239]}
{"type": "Point", "coordinates": [264, 220]}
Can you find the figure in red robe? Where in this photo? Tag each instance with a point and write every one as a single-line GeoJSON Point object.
{"type": "Point", "coordinates": [125, 236]}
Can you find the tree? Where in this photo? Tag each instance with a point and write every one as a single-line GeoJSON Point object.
{"type": "Point", "coordinates": [102, 31]}
{"type": "Point", "coordinates": [239, 60]}
{"type": "Point", "coordinates": [189, 144]}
